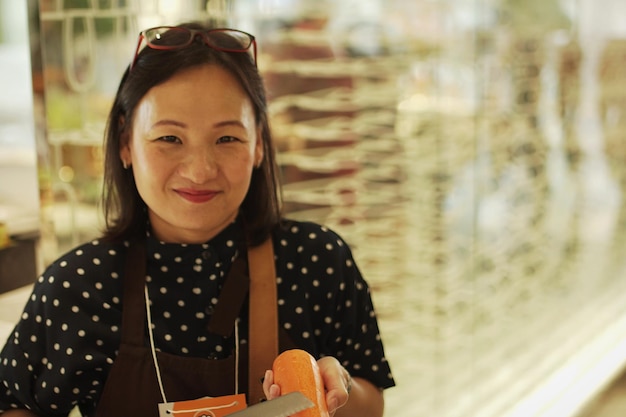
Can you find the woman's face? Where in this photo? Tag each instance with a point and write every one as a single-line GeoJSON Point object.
{"type": "Point", "coordinates": [194, 142]}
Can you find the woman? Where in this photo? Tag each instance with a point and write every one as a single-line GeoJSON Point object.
{"type": "Point", "coordinates": [141, 316]}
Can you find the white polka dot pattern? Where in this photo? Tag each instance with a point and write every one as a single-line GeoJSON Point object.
{"type": "Point", "coordinates": [68, 337]}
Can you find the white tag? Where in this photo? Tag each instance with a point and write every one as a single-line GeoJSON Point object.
{"type": "Point", "coordinates": [165, 409]}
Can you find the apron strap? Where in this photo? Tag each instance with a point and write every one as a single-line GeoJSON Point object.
{"type": "Point", "coordinates": [263, 317]}
{"type": "Point", "coordinates": [231, 298]}
{"type": "Point", "coordinates": [133, 306]}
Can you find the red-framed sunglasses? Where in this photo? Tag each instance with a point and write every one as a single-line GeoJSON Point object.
{"type": "Point", "coordinates": [175, 37]}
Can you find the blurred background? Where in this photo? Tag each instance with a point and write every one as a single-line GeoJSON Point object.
{"type": "Point", "coordinates": [472, 152]}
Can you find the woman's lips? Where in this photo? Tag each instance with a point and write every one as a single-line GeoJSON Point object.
{"type": "Point", "coordinates": [196, 196]}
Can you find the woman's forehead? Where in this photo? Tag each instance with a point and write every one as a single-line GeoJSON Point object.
{"type": "Point", "coordinates": [207, 93]}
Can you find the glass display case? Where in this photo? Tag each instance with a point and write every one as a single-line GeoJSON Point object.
{"type": "Point", "coordinates": [19, 197]}
{"type": "Point", "coordinates": [471, 152]}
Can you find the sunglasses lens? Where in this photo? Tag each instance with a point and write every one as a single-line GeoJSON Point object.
{"type": "Point", "coordinates": [167, 37]}
{"type": "Point", "coordinates": [230, 40]}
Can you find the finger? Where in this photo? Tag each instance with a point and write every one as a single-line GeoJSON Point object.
{"type": "Point", "coordinates": [335, 399]}
{"type": "Point", "coordinates": [268, 380]}
{"type": "Point", "coordinates": [270, 389]}
{"type": "Point", "coordinates": [274, 391]}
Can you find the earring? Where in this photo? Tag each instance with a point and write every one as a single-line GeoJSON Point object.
{"type": "Point", "coordinates": [124, 164]}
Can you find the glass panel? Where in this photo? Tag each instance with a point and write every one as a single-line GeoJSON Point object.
{"type": "Point", "coordinates": [19, 197]}
{"type": "Point", "coordinates": [471, 152]}
{"type": "Point", "coordinates": [84, 55]}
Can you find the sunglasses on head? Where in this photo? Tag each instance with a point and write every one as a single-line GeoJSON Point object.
{"type": "Point", "coordinates": [175, 37]}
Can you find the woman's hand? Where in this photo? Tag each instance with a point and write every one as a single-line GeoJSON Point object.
{"type": "Point", "coordinates": [337, 382]}
{"type": "Point", "coordinates": [270, 389]}
{"type": "Point", "coordinates": [336, 379]}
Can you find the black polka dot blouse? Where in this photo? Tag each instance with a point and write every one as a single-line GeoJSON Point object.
{"type": "Point", "coordinates": [61, 350]}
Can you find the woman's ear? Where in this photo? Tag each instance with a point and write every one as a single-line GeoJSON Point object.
{"type": "Point", "coordinates": [125, 154]}
{"type": "Point", "coordinates": [258, 148]}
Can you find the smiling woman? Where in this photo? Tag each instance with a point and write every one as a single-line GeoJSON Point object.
{"type": "Point", "coordinates": [165, 306]}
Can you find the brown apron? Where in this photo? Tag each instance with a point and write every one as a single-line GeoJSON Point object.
{"type": "Point", "coordinates": [132, 389]}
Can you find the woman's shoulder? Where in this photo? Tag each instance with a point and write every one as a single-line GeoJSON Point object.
{"type": "Point", "coordinates": [95, 255]}
{"type": "Point", "coordinates": [305, 236]}
{"type": "Point", "coordinates": [300, 229]}
{"type": "Point", "coordinates": [88, 272]}
{"type": "Point", "coordinates": [93, 248]}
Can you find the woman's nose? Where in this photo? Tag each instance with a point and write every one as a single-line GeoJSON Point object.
{"type": "Point", "coordinates": [199, 166]}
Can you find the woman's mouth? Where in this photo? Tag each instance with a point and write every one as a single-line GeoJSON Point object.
{"type": "Point", "coordinates": [196, 196]}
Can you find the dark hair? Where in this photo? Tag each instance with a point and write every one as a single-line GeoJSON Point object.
{"type": "Point", "coordinates": [124, 211]}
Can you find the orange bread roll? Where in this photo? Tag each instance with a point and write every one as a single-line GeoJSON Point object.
{"type": "Point", "coordinates": [297, 370]}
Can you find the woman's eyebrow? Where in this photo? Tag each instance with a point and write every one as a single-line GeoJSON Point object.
{"type": "Point", "coordinates": [230, 123]}
{"type": "Point", "coordinates": [169, 122]}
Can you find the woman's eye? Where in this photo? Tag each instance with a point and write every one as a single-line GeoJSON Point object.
{"type": "Point", "coordinates": [169, 139]}
{"type": "Point", "coordinates": [227, 139]}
